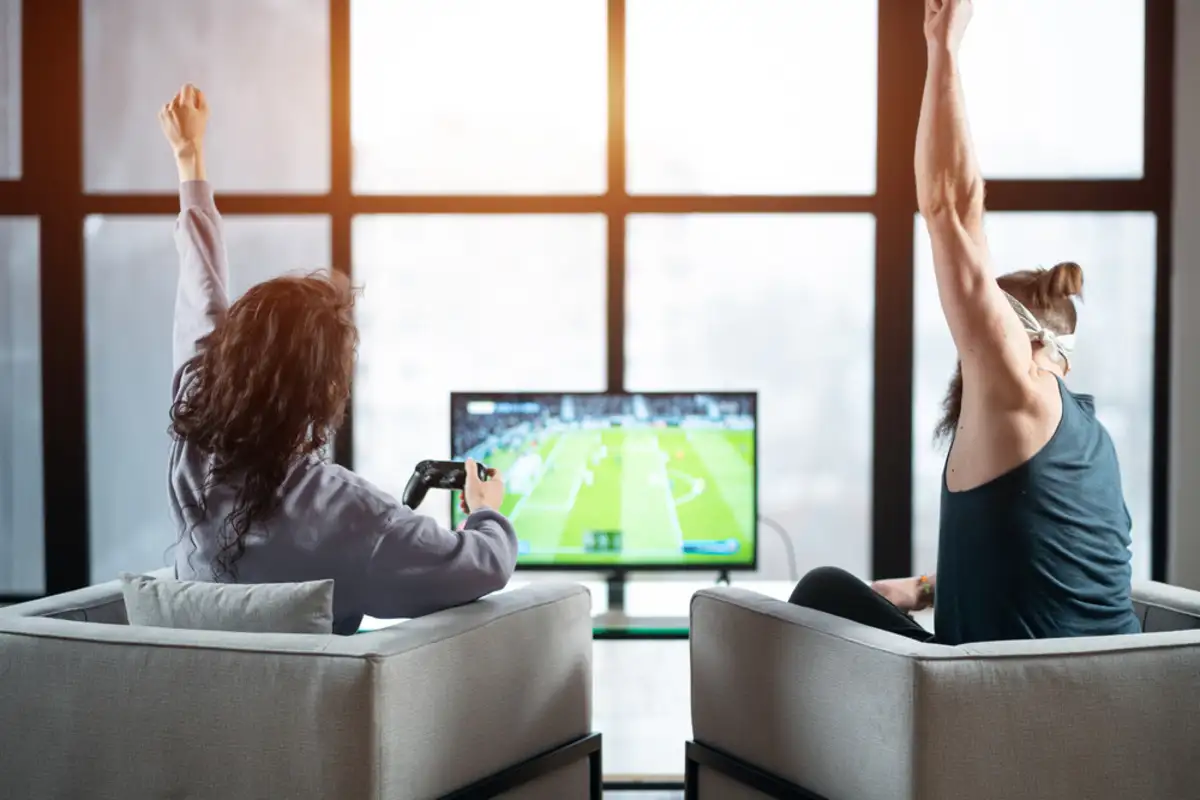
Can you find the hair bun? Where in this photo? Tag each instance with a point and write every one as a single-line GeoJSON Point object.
{"type": "Point", "coordinates": [1064, 280]}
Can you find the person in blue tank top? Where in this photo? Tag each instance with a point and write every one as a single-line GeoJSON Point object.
{"type": "Point", "coordinates": [1035, 535]}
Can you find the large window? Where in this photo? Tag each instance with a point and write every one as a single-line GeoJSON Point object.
{"type": "Point", "coordinates": [1056, 88]}
{"type": "Point", "coordinates": [723, 96]}
{"type": "Point", "coordinates": [21, 546]}
{"type": "Point", "coordinates": [513, 102]}
{"type": "Point", "coordinates": [263, 64]}
{"type": "Point", "coordinates": [468, 303]}
{"type": "Point", "coordinates": [10, 89]}
{"type": "Point", "coordinates": [715, 300]}
{"type": "Point", "coordinates": [568, 195]}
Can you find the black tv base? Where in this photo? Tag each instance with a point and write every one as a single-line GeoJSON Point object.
{"type": "Point", "coordinates": [616, 591]}
{"type": "Point", "coordinates": [616, 623]}
{"type": "Point", "coordinates": [617, 579]}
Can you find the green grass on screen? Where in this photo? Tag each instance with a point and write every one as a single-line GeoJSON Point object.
{"type": "Point", "coordinates": [658, 487]}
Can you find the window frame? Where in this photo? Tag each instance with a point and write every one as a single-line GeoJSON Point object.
{"type": "Point", "coordinates": [51, 188]}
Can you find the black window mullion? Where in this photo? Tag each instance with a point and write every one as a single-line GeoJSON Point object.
{"type": "Point", "coordinates": [1159, 172]}
{"type": "Point", "coordinates": [340, 181]}
{"type": "Point", "coordinates": [52, 132]}
{"type": "Point", "coordinates": [1070, 195]}
{"type": "Point", "coordinates": [15, 200]}
{"type": "Point", "coordinates": [901, 78]}
{"type": "Point", "coordinates": [617, 199]}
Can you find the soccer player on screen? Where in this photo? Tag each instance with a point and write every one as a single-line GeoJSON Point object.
{"type": "Point", "coordinates": [260, 388]}
{"type": "Point", "coordinates": [1034, 539]}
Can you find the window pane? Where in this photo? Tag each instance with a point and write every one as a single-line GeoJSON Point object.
{"type": "Point", "coordinates": [1114, 360]}
{"type": "Point", "coordinates": [467, 303]}
{"type": "Point", "coordinates": [131, 279]}
{"type": "Point", "coordinates": [475, 96]}
{"type": "Point", "coordinates": [751, 96]}
{"type": "Point", "coordinates": [1055, 87]}
{"type": "Point", "coordinates": [22, 567]}
{"type": "Point", "coordinates": [10, 89]}
{"type": "Point", "coordinates": [782, 304]}
{"type": "Point", "coordinates": [263, 64]}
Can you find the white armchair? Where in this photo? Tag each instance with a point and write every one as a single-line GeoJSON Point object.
{"type": "Point", "coordinates": [790, 702]}
{"type": "Point", "coordinates": [472, 702]}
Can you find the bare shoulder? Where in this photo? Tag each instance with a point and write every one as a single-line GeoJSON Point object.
{"type": "Point", "coordinates": [996, 434]}
{"type": "Point", "coordinates": [1019, 387]}
{"type": "Point", "coordinates": [1035, 420]}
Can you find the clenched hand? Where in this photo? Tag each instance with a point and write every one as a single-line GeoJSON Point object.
{"type": "Point", "coordinates": [946, 23]}
{"type": "Point", "coordinates": [183, 122]}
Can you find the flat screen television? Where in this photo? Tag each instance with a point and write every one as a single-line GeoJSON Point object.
{"type": "Point", "coordinates": [612, 482]}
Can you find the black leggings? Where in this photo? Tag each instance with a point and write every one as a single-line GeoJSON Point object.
{"type": "Point", "coordinates": [837, 592]}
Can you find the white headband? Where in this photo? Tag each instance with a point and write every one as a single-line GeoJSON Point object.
{"type": "Point", "coordinates": [1061, 345]}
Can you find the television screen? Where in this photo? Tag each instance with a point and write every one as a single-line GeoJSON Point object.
{"type": "Point", "coordinates": [598, 481]}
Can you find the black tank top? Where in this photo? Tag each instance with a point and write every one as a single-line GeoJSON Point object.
{"type": "Point", "coordinates": [1043, 550]}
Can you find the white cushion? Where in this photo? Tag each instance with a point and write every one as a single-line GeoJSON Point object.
{"type": "Point", "coordinates": [245, 608]}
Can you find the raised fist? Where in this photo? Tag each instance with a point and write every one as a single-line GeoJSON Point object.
{"type": "Point", "coordinates": [946, 22]}
{"type": "Point", "coordinates": [184, 119]}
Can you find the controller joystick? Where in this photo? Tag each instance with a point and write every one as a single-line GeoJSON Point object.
{"type": "Point", "coordinates": [437, 475]}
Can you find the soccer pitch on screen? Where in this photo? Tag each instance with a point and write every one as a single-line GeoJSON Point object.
{"type": "Point", "coordinates": [619, 480]}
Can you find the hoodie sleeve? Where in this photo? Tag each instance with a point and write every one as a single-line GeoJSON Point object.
{"type": "Point", "coordinates": [418, 567]}
{"type": "Point", "coordinates": [202, 298]}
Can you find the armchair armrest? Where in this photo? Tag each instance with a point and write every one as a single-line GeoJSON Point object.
{"type": "Point", "coordinates": [1163, 607]}
{"type": "Point", "coordinates": [463, 693]}
{"type": "Point", "coordinates": [102, 602]}
{"type": "Point", "coordinates": [817, 700]}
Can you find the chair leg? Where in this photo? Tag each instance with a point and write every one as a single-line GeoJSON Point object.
{"type": "Point", "coordinates": [596, 775]}
{"type": "Point", "coordinates": [691, 779]}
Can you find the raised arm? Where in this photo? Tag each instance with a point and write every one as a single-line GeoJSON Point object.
{"type": "Point", "coordinates": [991, 343]}
{"type": "Point", "coordinates": [202, 297]}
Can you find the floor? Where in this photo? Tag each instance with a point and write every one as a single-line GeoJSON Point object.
{"type": "Point", "coordinates": [642, 706]}
{"type": "Point", "coordinates": [643, 795]}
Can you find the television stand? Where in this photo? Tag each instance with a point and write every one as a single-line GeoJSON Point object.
{"type": "Point", "coordinates": [616, 588]}
{"type": "Point", "coordinates": [616, 592]}
{"type": "Point", "coordinates": [618, 623]}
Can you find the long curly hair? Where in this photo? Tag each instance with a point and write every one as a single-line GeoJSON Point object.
{"type": "Point", "coordinates": [1048, 294]}
{"type": "Point", "coordinates": [268, 386]}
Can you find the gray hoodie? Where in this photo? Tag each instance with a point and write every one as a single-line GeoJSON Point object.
{"type": "Point", "coordinates": [385, 560]}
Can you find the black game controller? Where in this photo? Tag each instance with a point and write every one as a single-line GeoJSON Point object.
{"type": "Point", "coordinates": [437, 475]}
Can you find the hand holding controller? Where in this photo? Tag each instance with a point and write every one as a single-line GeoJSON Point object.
{"type": "Point", "coordinates": [484, 488]}
{"type": "Point", "coordinates": [480, 485]}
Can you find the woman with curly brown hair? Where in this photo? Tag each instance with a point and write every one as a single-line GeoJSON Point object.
{"type": "Point", "coordinates": [260, 388]}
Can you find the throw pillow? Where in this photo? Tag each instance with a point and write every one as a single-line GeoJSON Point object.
{"type": "Point", "coordinates": [244, 608]}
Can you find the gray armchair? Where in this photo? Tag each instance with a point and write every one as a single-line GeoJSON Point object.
{"type": "Point", "coordinates": [790, 702]}
{"type": "Point", "coordinates": [490, 697]}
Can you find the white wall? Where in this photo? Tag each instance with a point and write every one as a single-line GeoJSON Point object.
{"type": "Point", "coordinates": [1185, 345]}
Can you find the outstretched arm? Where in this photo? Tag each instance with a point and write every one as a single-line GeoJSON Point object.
{"type": "Point", "coordinates": [202, 297]}
{"type": "Point", "coordinates": [416, 567]}
{"type": "Point", "coordinates": [991, 343]}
